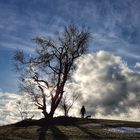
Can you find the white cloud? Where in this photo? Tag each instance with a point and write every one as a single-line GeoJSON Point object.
{"type": "Point", "coordinates": [137, 65]}
{"type": "Point", "coordinates": [110, 89]}
{"type": "Point", "coordinates": [9, 112]}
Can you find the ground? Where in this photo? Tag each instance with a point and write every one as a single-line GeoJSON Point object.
{"type": "Point", "coordinates": [71, 129]}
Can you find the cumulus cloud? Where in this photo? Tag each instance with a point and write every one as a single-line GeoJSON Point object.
{"type": "Point", "coordinates": [109, 88]}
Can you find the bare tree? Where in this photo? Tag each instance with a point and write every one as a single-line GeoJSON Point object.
{"type": "Point", "coordinates": [23, 107]}
{"type": "Point", "coordinates": [23, 110]}
{"type": "Point", "coordinates": [67, 102]}
{"type": "Point", "coordinates": [44, 74]}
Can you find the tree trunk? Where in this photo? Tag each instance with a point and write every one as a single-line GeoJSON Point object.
{"type": "Point", "coordinates": [65, 110]}
{"type": "Point", "coordinates": [66, 113]}
{"type": "Point", "coordinates": [44, 112]}
{"type": "Point", "coordinates": [55, 102]}
{"type": "Point", "coordinates": [54, 106]}
{"type": "Point", "coordinates": [50, 115]}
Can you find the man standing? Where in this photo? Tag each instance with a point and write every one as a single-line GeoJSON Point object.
{"type": "Point", "coordinates": [83, 111]}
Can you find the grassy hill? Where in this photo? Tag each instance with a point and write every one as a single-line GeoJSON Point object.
{"type": "Point", "coordinates": [68, 128]}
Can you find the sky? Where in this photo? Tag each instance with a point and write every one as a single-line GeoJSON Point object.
{"type": "Point", "coordinates": [115, 47]}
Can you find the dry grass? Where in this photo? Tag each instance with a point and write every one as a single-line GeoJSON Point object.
{"type": "Point", "coordinates": [89, 129]}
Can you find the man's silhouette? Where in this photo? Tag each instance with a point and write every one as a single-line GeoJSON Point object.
{"type": "Point", "coordinates": [83, 111]}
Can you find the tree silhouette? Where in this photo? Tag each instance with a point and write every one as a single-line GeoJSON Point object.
{"type": "Point", "coordinates": [23, 105]}
{"type": "Point", "coordinates": [67, 102]}
{"type": "Point", "coordinates": [44, 74]}
{"type": "Point", "coordinates": [22, 110]}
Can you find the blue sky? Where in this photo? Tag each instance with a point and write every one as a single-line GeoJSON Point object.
{"type": "Point", "coordinates": [114, 24]}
